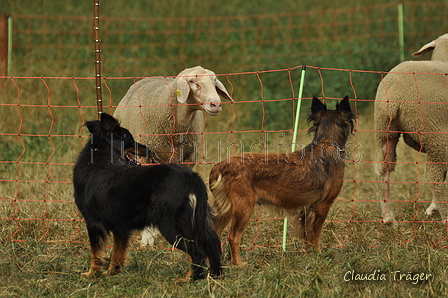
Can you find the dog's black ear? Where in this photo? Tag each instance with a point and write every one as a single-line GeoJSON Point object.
{"type": "Point", "coordinates": [317, 106]}
{"type": "Point", "coordinates": [109, 122]}
{"type": "Point", "coordinates": [344, 105]}
{"type": "Point", "coordinates": [93, 125]}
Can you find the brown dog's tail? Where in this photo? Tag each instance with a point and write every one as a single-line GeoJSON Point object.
{"type": "Point", "coordinates": [221, 204]}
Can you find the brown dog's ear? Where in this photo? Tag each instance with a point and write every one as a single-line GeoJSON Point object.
{"type": "Point", "coordinates": [344, 105]}
{"type": "Point", "coordinates": [317, 106]}
{"type": "Point", "coordinates": [109, 122]}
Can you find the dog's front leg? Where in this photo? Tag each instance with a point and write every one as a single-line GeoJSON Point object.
{"type": "Point", "coordinates": [118, 254]}
{"type": "Point", "coordinates": [97, 245]}
{"type": "Point", "coordinates": [95, 264]}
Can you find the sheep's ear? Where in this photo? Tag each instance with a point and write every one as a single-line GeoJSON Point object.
{"type": "Point", "coordinates": [426, 48]}
{"type": "Point", "coordinates": [183, 89]}
{"type": "Point", "coordinates": [317, 106]}
{"type": "Point", "coordinates": [109, 122]}
{"type": "Point", "coordinates": [344, 105]}
{"type": "Point", "coordinates": [222, 90]}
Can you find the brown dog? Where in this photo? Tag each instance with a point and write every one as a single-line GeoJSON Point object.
{"type": "Point", "coordinates": [303, 184]}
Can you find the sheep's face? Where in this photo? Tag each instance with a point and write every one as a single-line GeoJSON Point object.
{"type": "Point", "coordinates": [202, 90]}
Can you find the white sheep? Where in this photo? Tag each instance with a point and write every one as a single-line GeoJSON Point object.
{"type": "Point", "coordinates": [166, 115]}
{"type": "Point", "coordinates": [412, 100]}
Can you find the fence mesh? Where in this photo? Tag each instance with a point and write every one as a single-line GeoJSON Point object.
{"type": "Point", "coordinates": [42, 111]}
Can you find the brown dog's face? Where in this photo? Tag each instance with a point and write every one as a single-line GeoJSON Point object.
{"type": "Point", "coordinates": [341, 117]}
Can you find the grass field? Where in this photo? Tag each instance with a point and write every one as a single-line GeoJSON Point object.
{"type": "Point", "coordinates": [43, 242]}
{"type": "Point", "coordinates": [355, 245]}
{"type": "Point", "coordinates": [39, 270]}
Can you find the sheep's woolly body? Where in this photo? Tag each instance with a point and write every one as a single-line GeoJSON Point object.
{"type": "Point", "coordinates": [150, 110]}
{"type": "Point", "coordinates": [150, 117]}
{"type": "Point", "coordinates": [412, 99]}
{"type": "Point", "coordinates": [398, 96]}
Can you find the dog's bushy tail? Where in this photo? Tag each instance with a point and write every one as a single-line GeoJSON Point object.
{"type": "Point", "coordinates": [221, 203]}
{"type": "Point", "coordinates": [203, 222]}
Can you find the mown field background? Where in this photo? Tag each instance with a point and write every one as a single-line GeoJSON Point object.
{"type": "Point", "coordinates": [258, 50]}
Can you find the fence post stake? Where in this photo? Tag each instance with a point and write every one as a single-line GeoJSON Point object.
{"type": "Point", "coordinates": [9, 17]}
{"type": "Point", "coordinates": [294, 140]}
{"type": "Point", "coordinates": [96, 31]}
{"type": "Point", "coordinates": [401, 31]}
{"type": "Point", "coordinates": [4, 45]}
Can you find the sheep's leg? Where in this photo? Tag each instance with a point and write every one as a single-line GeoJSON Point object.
{"type": "Point", "coordinates": [387, 158]}
{"type": "Point", "coordinates": [437, 174]}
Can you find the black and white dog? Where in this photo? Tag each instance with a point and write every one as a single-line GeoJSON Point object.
{"type": "Point", "coordinates": [116, 196]}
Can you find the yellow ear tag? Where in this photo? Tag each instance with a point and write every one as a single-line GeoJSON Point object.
{"type": "Point", "coordinates": [178, 93]}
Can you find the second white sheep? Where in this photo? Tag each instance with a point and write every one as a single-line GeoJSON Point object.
{"type": "Point", "coordinates": [412, 100]}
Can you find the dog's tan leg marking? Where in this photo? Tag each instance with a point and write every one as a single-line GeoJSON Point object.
{"type": "Point", "coordinates": [96, 262]}
{"type": "Point", "coordinates": [189, 273]}
{"type": "Point", "coordinates": [118, 255]}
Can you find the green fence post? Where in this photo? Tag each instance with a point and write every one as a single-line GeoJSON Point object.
{"type": "Point", "coordinates": [401, 31]}
{"type": "Point", "coordinates": [9, 46]}
{"type": "Point", "coordinates": [294, 139]}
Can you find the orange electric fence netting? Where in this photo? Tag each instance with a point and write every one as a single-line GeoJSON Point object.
{"type": "Point", "coordinates": [43, 106]}
{"type": "Point", "coordinates": [366, 37]}
{"type": "Point", "coordinates": [42, 134]}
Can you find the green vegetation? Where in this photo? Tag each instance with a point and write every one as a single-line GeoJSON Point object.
{"type": "Point", "coordinates": [261, 47]}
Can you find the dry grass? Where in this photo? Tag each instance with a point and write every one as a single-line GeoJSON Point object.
{"type": "Point", "coordinates": [46, 257]}
{"type": "Point", "coordinates": [43, 242]}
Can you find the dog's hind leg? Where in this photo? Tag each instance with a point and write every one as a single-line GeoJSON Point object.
{"type": "Point", "coordinates": [197, 269]}
{"type": "Point", "coordinates": [198, 264]}
{"type": "Point", "coordinates": [212, 248]}
{"type": "Point", "coordinates": [195, 254]}
{"type": "Point", "coordinates": [243, 207]}
{"type": "Point", "coordinates": [97, 238]}
{"type": "Point", "coordinates": [189, 273]}
{"type": "Point", "coordinates": [118, 253]}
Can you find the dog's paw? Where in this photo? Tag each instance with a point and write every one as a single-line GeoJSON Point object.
{"type": "Point", "coordinates": [239, 264]}
{"type": "Point", "coordinates": [113, 270]}
{"type": "Point", "coordinates": [88, 274]}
